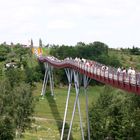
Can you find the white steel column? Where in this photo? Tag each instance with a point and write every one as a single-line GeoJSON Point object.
{"type": "Point", "coordinates": [51, 80]}
{"type": "Point", "coordinates": [86, 81]}
{"type": "Point", "coordinates": [48, 74]}
{"type": "Point", "coordinates": [77, 86]}
{"type": "Point", "coordinates": [69, 74]}
{"type": "Point", "coordinates": [45, 79]}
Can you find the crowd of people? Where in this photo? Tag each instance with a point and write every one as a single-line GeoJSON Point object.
{"type": "Point", "coordinates": [120, 70]}
{"type": "Point", "coordinates": [130, 72]}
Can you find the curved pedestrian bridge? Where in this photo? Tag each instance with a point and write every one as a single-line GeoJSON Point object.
{"type": "Point", "coordinates": [94, 70]}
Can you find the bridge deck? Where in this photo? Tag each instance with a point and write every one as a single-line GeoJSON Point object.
{"type": "Point", "coordinates": [130, 83]}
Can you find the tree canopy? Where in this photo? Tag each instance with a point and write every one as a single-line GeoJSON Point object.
{"type": "Point", "coordinates": [115, 116]}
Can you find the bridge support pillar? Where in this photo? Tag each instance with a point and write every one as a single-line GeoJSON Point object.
{"type": "Point", "coordinates": [86, 81]}
{"type": "Point", "coordinates": [69, 74]}
{"type": "Point", "coordinates": [77, 88]}
{"type": "Point", "coordinates": [51, 80]}
{"type": "Point", "coordinates": [48, 74]}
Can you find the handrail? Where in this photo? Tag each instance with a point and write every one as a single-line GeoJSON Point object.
{"type": "Point", "coordinates": [130, 83]}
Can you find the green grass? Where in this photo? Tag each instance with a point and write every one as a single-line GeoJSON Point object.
{"type": "Point", "coordinates": [127, 60]}
{"type": "Point", "coordinates": [50, 111]}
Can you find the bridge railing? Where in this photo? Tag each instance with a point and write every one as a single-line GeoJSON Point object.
{"type": "Point", "coordinates": [110, 73]}
{"type": "Point", "coordinates": [96, 69]}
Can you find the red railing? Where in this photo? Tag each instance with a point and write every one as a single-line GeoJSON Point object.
{"type": "Point", "coordinates": [130, 83]}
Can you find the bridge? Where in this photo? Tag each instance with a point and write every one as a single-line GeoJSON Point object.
{"type": "Point", "coordinates": [75, 68]}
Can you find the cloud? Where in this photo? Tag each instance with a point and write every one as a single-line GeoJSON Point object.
{"type": "Point", "coordinates": [69, 21]}
{"type": "Point", "coordinates": [60, 24]}
{"type": "Point", "coordinates": [105, 20]}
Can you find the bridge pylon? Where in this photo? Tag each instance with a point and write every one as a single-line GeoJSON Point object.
{"type": "Point", "coordinates": [76, 103]}
{"type": "Point", "coordinates": [69, 73]}
{"type": "Point", "coordinates": [72, 75]}
{"type": "Point", "coordinates": [86, 81]}
{"type": "Point", "coordinates": [48, 75]}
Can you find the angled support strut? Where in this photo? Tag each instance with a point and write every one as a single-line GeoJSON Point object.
{"type": "Point", "coordinates": [86, 81]}
{"type": "Point", "coordinates": [48, 74]}
{"type": "Point", "coordinates": [77, 87]}
{"type": "Point", "coordinates": [69, 74]}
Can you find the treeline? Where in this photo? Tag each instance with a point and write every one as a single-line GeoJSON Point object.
{"type": "Point", "coordinates": [132, 51]}
{"type": "Point", "coordinates": [96, 51]}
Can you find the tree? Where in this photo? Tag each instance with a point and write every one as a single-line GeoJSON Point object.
{"type": "Point", "coordinates": [135, 51]}
{"type": "Point", "coordinates": [114, 61]}
{"type": "Point", "coordinates": [15, 76]}
{"type": "Point", "coordinates": [98, 115]}
{"type": "Point", "coordinates": [4, 50]}
{"type": "Point", "coordinates": [16, 109]}
{"type": "Point", "coordinates": [7, 129]}
{"type": "Point", "coordinates": [110, 116]}
{"type": "Point", "coordinates": [21, 52]}
{"type": "Point", "coordinates": [24, 107]}
{"type": "Point", "coordinates": [34, 74]}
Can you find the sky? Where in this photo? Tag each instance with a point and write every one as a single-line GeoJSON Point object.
{"type": "Point", "coordinates": [113, 22]}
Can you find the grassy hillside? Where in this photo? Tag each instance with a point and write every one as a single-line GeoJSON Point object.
{"type": "Point", "coordinates": [126, 59]}
{"type": "Point", "coordinates": [50, 110]}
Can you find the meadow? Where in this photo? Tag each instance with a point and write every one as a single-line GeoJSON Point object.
{"type": "Point", "coordinates": [49, 112]}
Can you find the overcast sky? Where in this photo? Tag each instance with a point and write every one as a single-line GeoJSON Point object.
{"type": "Point", "coordinates": [114, 22]}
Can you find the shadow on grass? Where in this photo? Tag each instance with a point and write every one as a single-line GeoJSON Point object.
{"type": "Point", "coordinates": [57, 117]}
